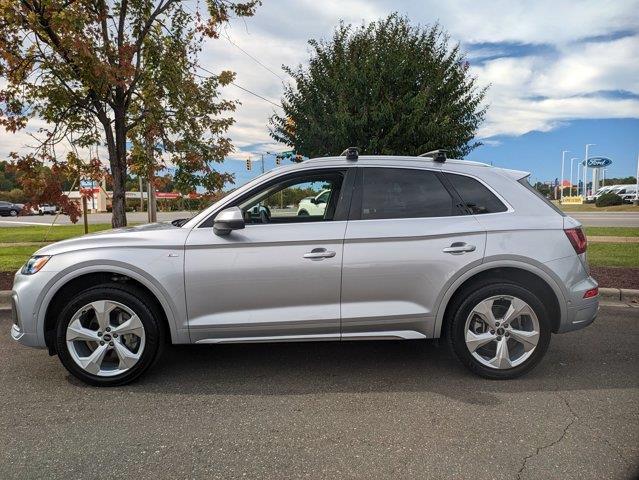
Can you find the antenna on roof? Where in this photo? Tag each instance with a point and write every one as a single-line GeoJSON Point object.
{"type": "Point", "coordinates": [436, 155]}
{"type": "Point", "coordinates": [351, 153]}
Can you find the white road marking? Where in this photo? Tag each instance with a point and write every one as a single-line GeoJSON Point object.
{"type": "Point", "coordinates": [29, 223]}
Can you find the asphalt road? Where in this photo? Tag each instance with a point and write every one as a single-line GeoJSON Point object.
{"type": "Point", "coordinates": [330, 410]}
{"type": "Point", "coordinates": [607, 219]}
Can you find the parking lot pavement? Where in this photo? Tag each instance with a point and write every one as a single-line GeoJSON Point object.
{"type": "Point", "coordinates": [320, 410]}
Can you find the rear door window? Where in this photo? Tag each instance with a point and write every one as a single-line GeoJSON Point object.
{"type": "Point", "coordinates": [403, 193]}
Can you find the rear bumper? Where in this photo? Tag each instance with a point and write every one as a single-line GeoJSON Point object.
{"type": "Point", "coordinates": [580, 316]}
{"type": "Point", "coordinates": [577, 312]}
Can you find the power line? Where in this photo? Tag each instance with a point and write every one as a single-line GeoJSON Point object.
{"type": "Point", "coordinates": [226, 35]}
{"type": "Point", "coordinates": [243, 88]}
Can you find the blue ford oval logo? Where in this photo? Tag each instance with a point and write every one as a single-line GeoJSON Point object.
{"type": "Point", "coordinates": [599, 162]}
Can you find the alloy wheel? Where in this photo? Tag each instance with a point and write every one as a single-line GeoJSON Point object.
{"type": "Point", "coordinates": [105, 338]}
{"type": "Point", "coordinates": [502, 332]}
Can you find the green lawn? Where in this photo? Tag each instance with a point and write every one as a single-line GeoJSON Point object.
{"type": "Point", "coordinates": [39, 234]}
{"type": "Point", "coordinates": [613, 254]}
{"type": "Point", "coordinates": [612, 231]}
{"type": "Point", "coordinates": [12, 258]}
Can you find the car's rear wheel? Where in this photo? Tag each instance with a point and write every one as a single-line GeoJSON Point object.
{"type": "Point", "coordinates": [302, 213]}
{"type": "Point", "coordinates": [108, 336]}
{"type": "Point", "coordinates": [499, 330]}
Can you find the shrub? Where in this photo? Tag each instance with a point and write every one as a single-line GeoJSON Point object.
{"type": "Point", "coordinates": [608, 199]}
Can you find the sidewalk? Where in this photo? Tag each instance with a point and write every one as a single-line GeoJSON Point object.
{"type": "Point", "coordinates": [608, 239]}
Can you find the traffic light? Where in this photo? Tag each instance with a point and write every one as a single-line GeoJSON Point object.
{"type": "Point", "coordinates": [248, 164]}
{"type": "Point", "coordinates": [278, 160]}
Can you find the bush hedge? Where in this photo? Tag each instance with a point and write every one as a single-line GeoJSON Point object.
{"type": "Point", "coordinates": [608, 199]}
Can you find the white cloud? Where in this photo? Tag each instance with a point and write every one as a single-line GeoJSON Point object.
{"type": "Point", "coordinates": [552, 84]}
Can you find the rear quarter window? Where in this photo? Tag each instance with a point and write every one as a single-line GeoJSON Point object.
{"type": "Point", "coordinates": [524, 181]}
{"type": "Point", "coordinates": [475, 196]}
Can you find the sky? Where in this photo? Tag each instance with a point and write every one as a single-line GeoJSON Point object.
{"type": "Point", "coordinates": [560, 74]}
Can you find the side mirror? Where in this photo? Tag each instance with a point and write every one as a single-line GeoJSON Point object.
{"type": "Point", "coordinates": [227, 220]}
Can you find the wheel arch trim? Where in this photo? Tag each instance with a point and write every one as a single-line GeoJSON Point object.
{"type": "Point", "coordinates": [109, 266]}
{"type": "Point", "coordinates": [536, 268]}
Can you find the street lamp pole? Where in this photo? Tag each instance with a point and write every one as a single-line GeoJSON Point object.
{"type": "Point", "coordinates": [585, 191]}
{"type": "Point", "coordinates": [578, 177]}
{"type": "Point", "coordinates": [561, 181]}
{"type": "Point", "coordinates": [637, 190]}
{"type": "Point", "coordinates": [572, 162]}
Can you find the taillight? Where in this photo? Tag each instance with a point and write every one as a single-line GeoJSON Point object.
{"type": "Point", "coordinates": [577, 239]}
{"type": "Point", "coordinates": [593, 292]}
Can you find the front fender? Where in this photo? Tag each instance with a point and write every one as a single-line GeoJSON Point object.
{"type": "Point", "coordinates": [173, 306]}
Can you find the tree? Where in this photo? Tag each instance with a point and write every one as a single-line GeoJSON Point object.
{"type": "Point", "coordinates": [387, 88]}
{"type": "Point", "coordinates": [83, 67]}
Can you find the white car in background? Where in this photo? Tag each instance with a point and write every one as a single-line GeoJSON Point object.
{"type": "Point", "coordinates": [314, 206]}
{"type": "Point", "coordinates": [46, 209]}
{"type": "Point", "coordinates": [627, 193]}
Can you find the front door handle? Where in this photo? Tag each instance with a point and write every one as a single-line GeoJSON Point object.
{"type": "Point", "coordinates": [319, 253]}
{"type": "Point", "coordinates": [458, 248]}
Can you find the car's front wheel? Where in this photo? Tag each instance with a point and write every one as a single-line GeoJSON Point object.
{"type": "Point", "coordinates": [13, 213]}
{"type": "Point", "coordinates": [499, 330]}
{"type": "Point", "coordinates": [108, 336]}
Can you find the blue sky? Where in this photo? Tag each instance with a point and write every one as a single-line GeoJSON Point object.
{"type": "Point", "coordinates": [560, 74]}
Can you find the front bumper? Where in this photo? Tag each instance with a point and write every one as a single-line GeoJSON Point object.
{"type": "Point", "coordinates": [26, 297]}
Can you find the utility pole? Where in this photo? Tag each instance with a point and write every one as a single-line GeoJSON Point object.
{"type": "Point", "coordinates": [561, 181]}
{"type": "Point", "coordinates": [141, 193]}
{"type": "Point", "coordinates": [262, 163]}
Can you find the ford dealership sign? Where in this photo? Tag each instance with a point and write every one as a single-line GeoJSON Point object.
{"type": "Point", "coordinates": [599, 162]}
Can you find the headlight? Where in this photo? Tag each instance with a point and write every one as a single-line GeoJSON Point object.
{"type": "Point", "coordinates": [34, 264]}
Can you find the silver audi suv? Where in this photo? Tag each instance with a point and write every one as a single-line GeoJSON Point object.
{"type": "Point", "coordinates": [403, 248]}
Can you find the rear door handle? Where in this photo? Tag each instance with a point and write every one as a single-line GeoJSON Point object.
{"type": "Point", "coordinates": [319, 253]}
{"type": "Point", "coordinates": [458, 248]}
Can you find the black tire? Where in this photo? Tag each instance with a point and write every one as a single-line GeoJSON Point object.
{"type": "Point", "coordinates": [138, 302]}
{"type": "Point", "coordinates": [462, 308]}
{"type": "Point", "coordinates": [14, 213]}
{"type": "Point", "coordinates": [302, 213]}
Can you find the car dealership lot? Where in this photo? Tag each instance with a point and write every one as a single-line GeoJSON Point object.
{"type": "Point", "coordinates": [358, 409]}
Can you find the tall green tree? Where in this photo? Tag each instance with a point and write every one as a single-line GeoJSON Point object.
{"type": "Point", "coordinates": [86, 67]}
{"type": "Point", "coordinates": [388, 87]}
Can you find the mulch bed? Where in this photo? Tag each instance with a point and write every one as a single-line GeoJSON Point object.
{"type": "Point", "coordinates": [6, 280]}
{"type": "Point", "coordinates": [616, 277]}
{"type": "Point", "coordinates": [606, 276]}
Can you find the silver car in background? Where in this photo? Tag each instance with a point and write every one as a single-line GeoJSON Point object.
{"type": "Point", "coordinates": [405, 248]}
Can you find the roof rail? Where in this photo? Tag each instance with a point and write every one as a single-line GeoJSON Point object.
{"type": "Point", "coordinates": [351, 153]}
{"type": "Point", "coordinates": [437, 155]}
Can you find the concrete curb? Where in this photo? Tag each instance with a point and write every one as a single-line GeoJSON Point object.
{"type": "Point", "coordinates": [625, 295]}
{"type": "Point", "coordinates": [5, 299]}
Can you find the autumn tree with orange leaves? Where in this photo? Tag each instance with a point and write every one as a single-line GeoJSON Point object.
{"type": "Point", "coordinates": [118, 74]}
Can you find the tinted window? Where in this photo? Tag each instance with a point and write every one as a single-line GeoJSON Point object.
{"type": "Point", "coordinates": [475, 196]}
{"type": "Point", "coordinates": [403, 193]}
